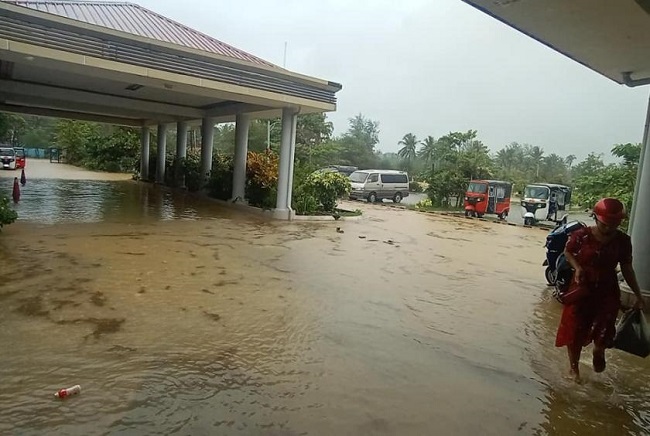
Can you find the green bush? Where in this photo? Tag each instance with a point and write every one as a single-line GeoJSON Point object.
{"type": "Point", "coordinates": [415, 187]}
{"type": "Point", "coordinates": [326, 188]}
{"type": "Point", "coordinates": [304, 203]}
{"type": "Point", "coordinates": [191, 169]}
{"type": "Point", "coordinates": [220, 182]}
{"type": "Point", "coordinates": [7, 214]}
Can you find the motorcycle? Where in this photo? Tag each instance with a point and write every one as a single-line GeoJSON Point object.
{"type": "Point", "coordinates": [559, 272]}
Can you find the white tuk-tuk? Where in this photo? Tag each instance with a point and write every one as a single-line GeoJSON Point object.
{"type": "Point", "coordinates": [545, 202]}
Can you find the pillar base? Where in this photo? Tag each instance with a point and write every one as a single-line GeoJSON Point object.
{"type": "Point", "coordinates": [284, 214]}
{"type": "Point", "coordinates": [239, 200]}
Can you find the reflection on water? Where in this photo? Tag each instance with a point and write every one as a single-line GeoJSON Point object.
{"type": "Point", "coordinates": [177, 316]}
{"type": "Point", "coordinates": [55, 201]}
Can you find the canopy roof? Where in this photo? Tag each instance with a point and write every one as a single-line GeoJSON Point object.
{"type": "Point", "coordinates": [119, 63]}
{"type": "Point", "coordinates": [610, 37]}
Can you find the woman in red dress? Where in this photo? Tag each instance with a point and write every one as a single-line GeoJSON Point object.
{"type": "Point", "coordinates": [594, 253]}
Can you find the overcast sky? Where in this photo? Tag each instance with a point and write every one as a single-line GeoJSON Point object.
{"type": "Point", "coordinates": [429, 67]}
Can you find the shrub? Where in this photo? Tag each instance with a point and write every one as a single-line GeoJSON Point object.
{"type": "Point", "coordinates": [262, 179]}
{"type": "Point", "coordinates": [327, 187]}
{"type": "Point", "coordinates": [191, 170]}
{"type": "Point", "coordinates": [303, 202]}
{"type": "Point", "coordinates": [220, 182]}
{"type": "Point", "coordinates": [7, 214]}
{"type": "Point", "coordinates": [423, 204]}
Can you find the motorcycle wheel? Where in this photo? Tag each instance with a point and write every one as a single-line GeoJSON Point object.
{"type": "Point", "coordinates": [550, 276]}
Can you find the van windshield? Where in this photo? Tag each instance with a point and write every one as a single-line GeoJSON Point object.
{"type": "Point", "coordinates": [538, 192]}
{"type": "Point", "coordinates": [358, 177]}
{"type": "Point", "coordinates": [7, 152]}
{"type": "Point", "coordinates": [478, 188]}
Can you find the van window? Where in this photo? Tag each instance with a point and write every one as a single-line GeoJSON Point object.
{"type": "Point", "coordinates": [394, 178]}
{"type": "Point", "coordinates": [358, 177]}
{"type": "Point", "coordinates": [373, 178]}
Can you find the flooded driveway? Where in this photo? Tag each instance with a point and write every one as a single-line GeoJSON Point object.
{"type": "Point", "coordinates": [177, 316]}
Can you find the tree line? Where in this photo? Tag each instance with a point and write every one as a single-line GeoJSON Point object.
{"type": "Point", "coordinates": [445, 164]}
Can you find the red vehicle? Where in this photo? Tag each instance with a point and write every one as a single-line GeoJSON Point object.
{"type": "Point", "coordinates": [20, 157]}
{"type": "Point", "coordinates": [488, 197]}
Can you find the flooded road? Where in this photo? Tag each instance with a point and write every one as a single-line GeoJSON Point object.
{"type": "Point", "coordinates": [177, 316]}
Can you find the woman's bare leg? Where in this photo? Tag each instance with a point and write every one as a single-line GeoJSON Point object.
{"type": "Point", "coordinates": [574, 352]}
{"type": "Point", "coordinates": [599, 358]}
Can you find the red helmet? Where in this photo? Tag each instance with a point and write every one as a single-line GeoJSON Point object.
{"type": "Point", "coordinates": [609, 211]}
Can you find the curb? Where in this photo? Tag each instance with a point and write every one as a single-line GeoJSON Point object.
{"type": "Point", "coordinates": [542, 227]}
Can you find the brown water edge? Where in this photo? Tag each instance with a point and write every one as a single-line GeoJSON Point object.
{"type": "Point", "coordinates": [44, 169]}
{"type": "Point", "coordinates": [403, 324]}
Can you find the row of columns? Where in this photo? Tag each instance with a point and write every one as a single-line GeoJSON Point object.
{"type": "Point", "coordinates": [242, 125]}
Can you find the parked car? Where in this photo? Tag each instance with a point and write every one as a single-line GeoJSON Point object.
{"type": "Point", "coordinates": [375, 185]}
{"type": "Point", "coordinates": [20, 157]}
{"type": "Point", "coordinates": [8, 158]}
{"type": "Point", "coordinates": [341, 169]}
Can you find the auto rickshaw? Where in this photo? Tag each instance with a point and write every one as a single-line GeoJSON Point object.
{"type": "Point", "coordinates": [488, 197]}
{"type": "Point", "coordinates": [545, 202]}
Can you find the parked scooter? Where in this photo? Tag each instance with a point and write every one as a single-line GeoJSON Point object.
{"type": "Point", "coordinates": [558, 272]}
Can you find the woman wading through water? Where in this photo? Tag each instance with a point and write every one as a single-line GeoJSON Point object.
{"type": "Point", "coordinates": [594, 296]}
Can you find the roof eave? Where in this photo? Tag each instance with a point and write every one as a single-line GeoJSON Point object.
{"type": "Point", "coordinates": [247, 65]}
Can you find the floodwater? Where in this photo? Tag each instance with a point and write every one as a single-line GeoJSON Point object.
{"type": "Point", "coordinates": [179, 316]}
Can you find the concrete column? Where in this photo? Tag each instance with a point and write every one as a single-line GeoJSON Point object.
{"type": "Point", "coordinates": [181, 152]}
{"type": "Point", "coordinates": [207, 139]}
{"type": "Point", "coordinates": [162, 151]}
{"type": "Point", "coordinates": [644, 142]}
{"type": "Point", "coordinates": [292, 160]}
{"type": "Point", "coordinates": [640, 216]}
{"type": "Point", "coordinates": [241, 149]}
{"type": "Point", "coordinates": [283, 205]}
{"type": "Point", "coordinates": [144, 153]}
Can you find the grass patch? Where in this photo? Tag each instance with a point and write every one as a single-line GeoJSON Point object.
{"type": "Point", "coordinates": [338, 213]}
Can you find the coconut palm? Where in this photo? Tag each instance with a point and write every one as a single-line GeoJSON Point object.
{"type": "Point", "coordinates": [428, 150]}
{"type": "Point", "coordinates": [408, 152]}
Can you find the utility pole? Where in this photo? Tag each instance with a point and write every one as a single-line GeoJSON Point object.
{"type": "Point", "coordinates": [284, 65]}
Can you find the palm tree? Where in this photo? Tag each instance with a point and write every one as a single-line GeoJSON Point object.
{"type": "Point", "coordinates": [569, 160]}
{"type": "Point", "coordinates": [428, 150]}
{"type": "Point", "coordinates": [409, 150]}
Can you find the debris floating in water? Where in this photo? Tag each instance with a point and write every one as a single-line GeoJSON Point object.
{"type": "Point", "coordinates": [63, 393]}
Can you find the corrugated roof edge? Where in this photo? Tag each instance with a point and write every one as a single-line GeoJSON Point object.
{"type": "Point", "coordinates": [217, 41]}
{"type": "Point", "coordinates": [253, 59]}
{"type": "Point", "coordinates": [334, 86]}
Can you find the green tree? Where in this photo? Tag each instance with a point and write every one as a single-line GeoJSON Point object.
{"type": "Point", "coordinates": [408, 152]}
{"type": "Point", "coordinates": [12, 128]}
{"type": "Point", "coordinates": [363, 131]}
{"type": "Point", "coordinates": [75, 137]}
{"type": "Point", "coordinates": [428, 151]}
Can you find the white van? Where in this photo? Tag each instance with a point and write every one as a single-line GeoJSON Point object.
{"type": "Point", "coordinates": [375, 185]}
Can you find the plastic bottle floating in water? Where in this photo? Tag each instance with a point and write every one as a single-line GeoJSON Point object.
{"type": "Point", "coordinates": [63, 393]}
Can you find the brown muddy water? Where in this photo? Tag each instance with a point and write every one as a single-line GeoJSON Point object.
{"type": "Point", "coordinates": [177, 316]}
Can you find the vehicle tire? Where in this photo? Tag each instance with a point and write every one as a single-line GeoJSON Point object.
{"type": "Point", "coordinates": [479, 215]}
{"type": "Point", "coordinates": [397, 198]}
{"type": "Point", "coordinates": [550, 276]}
{"type": "Point", "coordinates": [528, 221]}
{"type": "Point", "coordinates": [372, 197]}
{"type": "Point", "coordinates": [503, 215]}
{"type": "Point", "coordinates": [468, 213]}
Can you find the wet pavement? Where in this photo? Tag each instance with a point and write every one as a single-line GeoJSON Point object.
{"type": "Point", "coordinates": [177, 316]}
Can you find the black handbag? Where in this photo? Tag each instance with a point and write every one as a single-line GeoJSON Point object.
{"type": "Point", "coordinates": [632, 334]}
